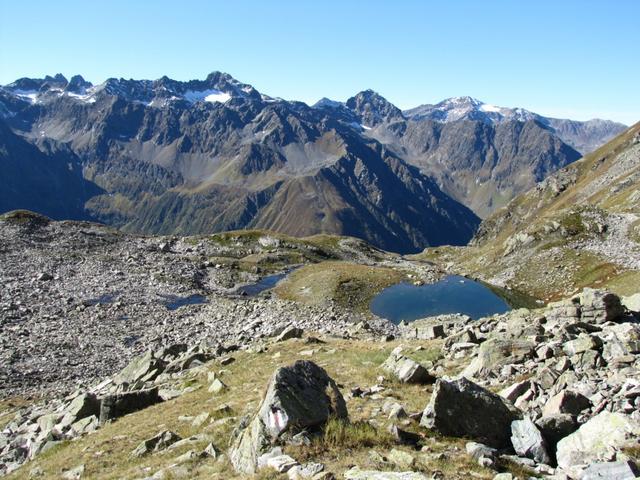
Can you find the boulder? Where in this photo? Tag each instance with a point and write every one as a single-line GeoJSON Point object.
{"type": "Point", "coordinates": [528, 442]}
{"type": "Point", "coordinates": [156, 443]}
{"type": "Point", "coordinates": [582, 344]}
{"type": "Point", "coordinates": [566, 401]}
{"type": "Point", "coordinates": [143, 368]}
{"type": "Point", "coordinates": [117, 405]}
{"type": "Point", "coordinates": [496, 353]}
{"type": "Point", "coordinates": [482, 454]}
{"type": "Point", "coordinates": [599, 306]}
{"type": "Point", "coordinates": [84, 405]}
{"type": "Point", "coordinates": [555, 427]}
{"type": "Point", "coordinates": [632, 302]}
{"type": "Point", "coordinates": [611, 471]}
{"type": "Point", "coordinates": [514, 391]}
{"type": "Point", "coordinates": [423, 330]}
{"type": "Point", "coordinates": [625, 340]}
{"type": "Point", "coordinates": [463, 409]}
{"type": "Point", "coordinates": [299, 397]}
{"type": "Point", "coordinates": [288, 333]}
{"type": "Point", "coordinates": [405, 369]}
{"type": "Point", "coordinates": [598, 439]}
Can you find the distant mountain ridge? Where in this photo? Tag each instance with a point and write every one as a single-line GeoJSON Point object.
{"type": "Point", "coordinates": [166, 156]}
{"type": "Point", "coordinates": [584, 136]}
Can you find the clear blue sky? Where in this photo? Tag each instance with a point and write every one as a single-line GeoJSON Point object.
{"type": "Point", "coordinates": [566, 58]}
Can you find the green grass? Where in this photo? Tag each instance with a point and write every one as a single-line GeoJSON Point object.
{"type": "Point", "coordinates": [106, 453]}
{"type": "Point", "coordinates": [347, 284]}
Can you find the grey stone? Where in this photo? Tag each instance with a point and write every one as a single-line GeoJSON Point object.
{"type": "Point", "coordinates": [555, 427]}
{"type": "Point", "coordinates": [496, 353]}
{"type": "Point", "coordinates": [512, 392]}
{"type": "Point", "coordinates": [156, 443]}
{"type": "Point", "coordinates": [582, 344]}
{"type": "Point", "coordinates": [84, 405]}
{"type": "Point", "coordinates": [611, 471]}
{"type": "Point", "coordinates": [356, 474]}
{"type": "Point", "coordinates": [527, 441]}
{"type": "Point", "coordinates": [143, 368]}
{"type": "Point", "coordinates": [599, 306]}
{"type": "Point", "coordinates": [299, 397]}
{"type": "Point", "coordinates": [405, 369]}
{"type": "Point", "coordinates": [401, 458]}
{"type": "Point", "coordinates": [566, 401]}
{"type": "Point", "coordinates": [632, 302]}
{"type": "Point", "coordinates": [74, 474]}
{"type": "Point", "coordinates": [482, 454]}
{"type": "Point", "coordinates": [289, 333]}
{"type": "Point", "coordinates": [598, 439]}
{"type": "Point", "coordinates": [463, 409]}
{"type": "Point", "coordinates": [117, 405]}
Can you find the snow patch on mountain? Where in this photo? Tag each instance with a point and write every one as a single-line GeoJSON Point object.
{"type": "Point", "coordinates": [211, 95]}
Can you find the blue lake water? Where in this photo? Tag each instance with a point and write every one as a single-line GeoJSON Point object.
{"type": "Point", "coordinates": [261, 285]}
{"type": "Point", "coordinates": [452, 294]}
{"type": "Point", "coordinates": [173, 302]}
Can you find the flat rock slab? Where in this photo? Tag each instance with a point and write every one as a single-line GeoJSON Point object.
{"type": "Point", "coordinates": [611, 471]}
{"type": "Point", "coordinates": [357, 474]}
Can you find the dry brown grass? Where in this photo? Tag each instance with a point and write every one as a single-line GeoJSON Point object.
{"type": "Point", "coordinates": [106, 453]}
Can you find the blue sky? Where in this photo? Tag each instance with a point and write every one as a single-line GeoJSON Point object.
{"type": "Point", "coordinates": [566, 58]}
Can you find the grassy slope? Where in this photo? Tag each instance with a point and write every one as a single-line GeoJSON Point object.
{"type": "Point", "coordinates": [548, 268]}
{"type": "Point", "coordinates": [348, 284]}
{"type": "Point", "coordinates": [106, 453]}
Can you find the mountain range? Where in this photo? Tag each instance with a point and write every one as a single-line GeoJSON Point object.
{"type": "Point", "coordinates": [201, 156]}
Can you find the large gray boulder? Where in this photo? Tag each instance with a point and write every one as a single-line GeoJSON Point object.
{"type": "Point", "coordinates": [528, 442]}
{"type": "Point", "coordinates": [463, 409]}
{"type": "Point", "coordinates": [598, 439]}
{"type": "Point", "coordinates": [299, 397]}
{"type": "Point", "coordinates": [405, 369]}
{"type": "Point", "coordinates": [495, 353]}
{"type": "Point", "coordinates": [599, 306]}
{"type": "Point", "coordinates": [117, 405]}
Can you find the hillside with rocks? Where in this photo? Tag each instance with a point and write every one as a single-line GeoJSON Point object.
{"type": "Point", "coordinates": [577, 228]}
{"type": "Point", "coordinates": [136, 357]}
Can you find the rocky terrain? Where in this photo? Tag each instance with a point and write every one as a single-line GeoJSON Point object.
{"type": "Point", "coordinates": [197, 157]}
{"type": "Point", "coordinates": [577, 228]}
{"type": "Point", "coordinates": [131, 356]}
{"type": "Point", "coordinates": [101, 380]}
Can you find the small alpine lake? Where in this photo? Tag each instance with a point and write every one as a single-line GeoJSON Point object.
{"type": "Point", "coordinates": [452, 294]}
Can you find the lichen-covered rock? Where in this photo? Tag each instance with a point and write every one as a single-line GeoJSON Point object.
{"type": "Point", "coordinates": [598, 439]}
{"type": "Point", "coordinates": [405, 369]}
{"type": "Point", "coordinates": [463, 409]}
{"type": "Point", "coordinates": [495, 353]}
{"type": "Point", "coordinates": [299, 397]}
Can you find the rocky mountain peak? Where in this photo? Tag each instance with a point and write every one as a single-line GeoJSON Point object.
{"type": "Point", "coordinates": [373, 109]}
